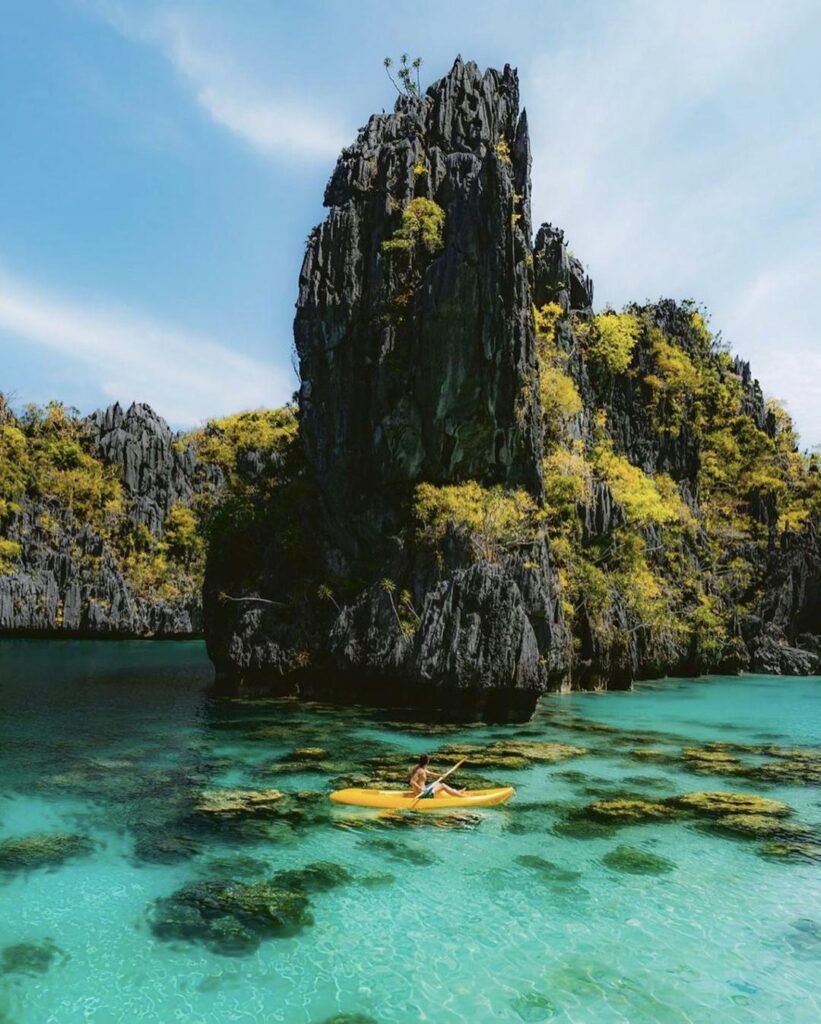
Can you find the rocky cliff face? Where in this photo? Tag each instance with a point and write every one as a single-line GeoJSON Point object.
{"type": "Point", "coordinates": [414, 350]}
{"type": "Point", "coordinates": [81, 568]}
{"type": "Point", "coordinates": [496, 491]}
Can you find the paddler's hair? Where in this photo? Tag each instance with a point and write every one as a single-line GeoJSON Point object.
{"type": "Point", "coordinates": [423, 760]}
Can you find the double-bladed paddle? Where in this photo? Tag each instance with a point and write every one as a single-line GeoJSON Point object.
{"type": "Point", "coordinates": [440, 779]}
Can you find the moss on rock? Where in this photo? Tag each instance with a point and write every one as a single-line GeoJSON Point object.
{"type": "Point", "coordinates": [714, 804]}
{"type": "Point", "coordinates": [514, 755]}
{"type": "Point", "coordinates": [42, 849]}
{"type": "Point", "coordinates": [630, 810]}
{"type": "Point", "coordinates": [809, 853]}
{"type": "Point", "coordinates": [237, 802]}
{"type": "Point", "coordinates": [633, 861]}
{"type": "Point", "coordinates": [758, 826]}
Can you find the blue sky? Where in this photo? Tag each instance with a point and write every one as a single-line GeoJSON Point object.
{"type": "Point", "coordinates": [164, 162]}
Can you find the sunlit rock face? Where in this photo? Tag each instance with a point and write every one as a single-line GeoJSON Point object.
{"type": "Point", "coordinates": [413, 357]}
{"type": "Point", "coordinates": [440, 346]}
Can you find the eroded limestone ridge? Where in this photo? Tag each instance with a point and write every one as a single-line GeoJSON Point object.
{"type": "Point", "coordinates": [496, 491]}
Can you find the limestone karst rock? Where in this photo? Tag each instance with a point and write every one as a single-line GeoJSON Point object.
{"type": "Point", "coordinates": [438, 347]}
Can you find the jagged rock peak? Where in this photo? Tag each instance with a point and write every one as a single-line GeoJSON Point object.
{"type": "Point", "coordinates": [415, 355]}
{"type": "Point", "coordinates": [559, 275]}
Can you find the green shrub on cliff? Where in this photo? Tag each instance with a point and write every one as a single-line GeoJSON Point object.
{"type": "Point", "coordinates": [222, 442]}
{"type": "Point", "coordinates": [493, 519]}
{"type": "Point", "coordinates": [611, 339]}
{"type": "Point", "coordinates": [13, 468]}
{"type": "Point", "coordinates": [52, 460]}
{"type": "Point", "coordinates": [171, 566]}
{"type": "Point", "coordinates": [9, 553]}
{"type": "Point", "coordinates": [48, 457]}
{"type": "Point", "coordinates": [558, 394]}
{"type": "Point", "coordinates": [675, 378]}
{"type": "Point", "coordinates": [423, 225]}
{"type": "Point", "coordinates": [645, 501]}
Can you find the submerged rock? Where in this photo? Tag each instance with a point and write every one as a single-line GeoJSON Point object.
{"type": "Point", "coordinates": [722, 803]}
{"type": "Point", "coordinates": [633, 861]}
{"type": "Point", "coordinates": [758, 826]}
{"type": "Point", "coordinates": [402, 852]}
{"type": "Point", "coordinates": [630, 811]}
{"type": "Point", "coordinates": [350, 1018]}
{"type": "Point", "coordinates": [237, 802]}
{"type": "Point", "coordinates": [229, 917]}
{"type": "Point", "coordinates": [46, 849]}
{"type": "Point", "coordinates": [546, 869]}
{"type": "Point", "coordinates": [809, 853]}
{"type": "Point", "coordinates": [512, 754]}
{"type": "Point", "coordinates": [164, 848]}
{"type": "Point", "coordinates": [29, 957]}
{"type": "Point", "coordinates": [317, 877]}
{"type": "Point", "coordinates": [584, 828]}
{"type": "Point", "coordinates": [237, 868]}
{"type": "Point", "coordinates": [376, 879]}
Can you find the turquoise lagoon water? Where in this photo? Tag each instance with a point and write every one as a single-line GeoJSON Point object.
{"type": "Point", "coordinates": [114, 740]}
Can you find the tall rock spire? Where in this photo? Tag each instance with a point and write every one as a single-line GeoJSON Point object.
{"type": "Point", "coordinates": [413, 323]}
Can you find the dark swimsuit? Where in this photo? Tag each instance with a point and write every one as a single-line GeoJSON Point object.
{"type": "Point", "coordinates": [427, 792]}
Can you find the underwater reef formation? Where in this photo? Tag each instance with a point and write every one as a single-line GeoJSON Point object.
{"type": "Point", "coordinates": [495, 491]}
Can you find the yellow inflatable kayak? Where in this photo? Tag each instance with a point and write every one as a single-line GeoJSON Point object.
{"type": "Point", "coordinates": [402, 799]}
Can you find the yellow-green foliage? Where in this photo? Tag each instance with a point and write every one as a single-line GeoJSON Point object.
{"type": "Point", "coordinates": [9, 553]}
{"type": "Point", "coordinates": [568, 482]}
{"type": "Point", "coordinates": [13, 468]}
{"type": "Point", "coordinates": [45, 456]}
{"type": "Point", "coordinates": [423, 224]}
{"type": "Point", "coordinates": [643, 502]}
{"type": "Point", "coordinates": [546, 317]}
{"type": "Point", "coordinates": [419, 168]}
{"type": "Point", "coordinates": [701, 330]}
{"type": "Point", "coordinates": [169, 567]}
{"type": "Point", "coordinates": [222, 441]}
{"type": "Point", "coordinates": [612, 339]}
{"type": "Point", "coordinates": [676, 375]}
{"type": "Point", "coordinates": [558, 394]}
{"type": "Point", "coordinates": [182, 538]}
{"type": "Point", "coordinates": [591, 577]}
{"type": "Point", "coordinates": [503, 150]}
{"type": "Point", "coordinates": [708, 620]}
{"type": "Point", "coordinates": [58, 466]}
{"type": "Point", "coordinates": [494, 520]}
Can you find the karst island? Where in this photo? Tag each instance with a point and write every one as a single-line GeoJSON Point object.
{"type": "Point", "coordinates": [468, 670]}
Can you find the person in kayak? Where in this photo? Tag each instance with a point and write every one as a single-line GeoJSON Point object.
{"type": "Point", "coordinates": [425, 790]}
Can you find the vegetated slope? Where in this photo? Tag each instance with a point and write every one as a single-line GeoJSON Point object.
{"type": "Point", "coordinates": [104, 519]}
{"type": "Point", "coordinates": [496, 491]}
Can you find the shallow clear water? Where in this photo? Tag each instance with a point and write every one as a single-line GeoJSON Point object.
{"type": "Point", "coordinates": [115, 740]}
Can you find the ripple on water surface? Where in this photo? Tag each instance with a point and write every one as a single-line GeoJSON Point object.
{"type": "Point", "coordinates": [165, 856]}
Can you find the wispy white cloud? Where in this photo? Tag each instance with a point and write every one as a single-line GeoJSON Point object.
{"type": "Point", "coordinates": [674, 144]}
{"type": "Point", "coordinates": [185, 377]}
{"type": "Point", "coordinates": [774, 315]}
{"type": "Point", "coordinates": [280, 127]}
